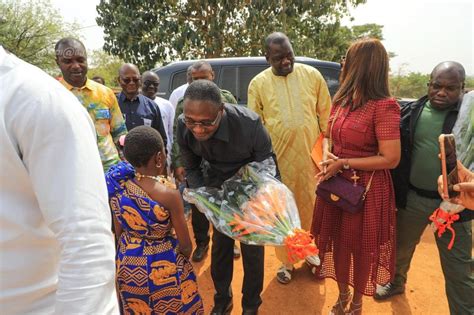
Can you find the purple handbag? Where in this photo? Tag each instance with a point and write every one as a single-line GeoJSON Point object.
{"type": "Point", "coordinates": [342, 193]}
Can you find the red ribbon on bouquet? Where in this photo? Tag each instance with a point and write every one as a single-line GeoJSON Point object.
{"type": "Point", "coordinates": [443, 220]}
{"type": "Point", "coordinates": [300, 245]}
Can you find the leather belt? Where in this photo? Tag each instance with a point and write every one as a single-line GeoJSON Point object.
{"type": "Point", "coordinates": [432, 194]}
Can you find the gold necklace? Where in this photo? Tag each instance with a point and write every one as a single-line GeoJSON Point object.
{"type": "Point", "coordinates": [164, 180]}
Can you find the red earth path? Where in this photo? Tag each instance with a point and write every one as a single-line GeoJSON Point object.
{"type": "Point", "coordinates": [304, 295]}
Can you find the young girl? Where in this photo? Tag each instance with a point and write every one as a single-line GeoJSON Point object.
{"type": "Point", "coordinates": [154, 275]}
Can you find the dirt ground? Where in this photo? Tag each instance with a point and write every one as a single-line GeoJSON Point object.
{"type": "Point", "coordinates": [306, 295]}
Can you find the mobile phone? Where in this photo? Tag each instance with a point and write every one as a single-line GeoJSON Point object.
{"type": "Point", "coordinates": [449, 169]}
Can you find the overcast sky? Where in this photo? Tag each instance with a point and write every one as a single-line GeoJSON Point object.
{"type": "Point", "coordinates": [421, 32]}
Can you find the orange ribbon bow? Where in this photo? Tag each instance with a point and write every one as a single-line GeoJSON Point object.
{"type": "Point", "coordinates": [443, 220]}
{"type": "Point", "coordinates": [300, 245]}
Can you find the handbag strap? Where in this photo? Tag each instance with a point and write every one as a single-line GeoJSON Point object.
{"type": "Point", "coordinates": [369, 184]}
{"type": "Point", "coordinates": [332, 126]}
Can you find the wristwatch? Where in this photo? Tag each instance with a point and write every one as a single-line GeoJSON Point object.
{"type": "Point", "coordinates": [345, 164]}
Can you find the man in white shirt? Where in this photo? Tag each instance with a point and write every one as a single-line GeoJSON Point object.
{"type": "Point", "coordinates": [178, 93]}
{"type": "Point", "coordinates": [56, 247]}
{"type": "Point", "coordinates": [150, 83]}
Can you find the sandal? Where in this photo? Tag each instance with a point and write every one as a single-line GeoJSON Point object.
{"type": "Point", "coordinates": [341, 304]}
{"type": "Point", "coordinates": [313, 263]}
{"type": "Point", "coordinates": [284, 275]}
{"type": "Point", "coordinates": [355, 309]}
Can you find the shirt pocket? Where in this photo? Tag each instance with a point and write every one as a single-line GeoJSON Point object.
{"type": "Point", "coordinates": [357, 133]}
{"type": "Point", "coordinates": [102, 122]}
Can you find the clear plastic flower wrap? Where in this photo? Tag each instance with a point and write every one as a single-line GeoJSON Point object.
{"type": "Point", "coordinates": [255, 208]}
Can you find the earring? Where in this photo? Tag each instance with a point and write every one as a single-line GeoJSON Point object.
{"type": "Point", "coordinates": [158, 165]}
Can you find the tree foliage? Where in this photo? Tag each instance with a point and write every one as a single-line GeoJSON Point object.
{"type": "Point", "coordinates": [333, 41]}
{"type": "Point", "coordinates": [103, 64]}
{"type": "Point", "coordinates": [413, 84]}
{"type": "Point", "coordinates": [147, 32]}
{"type": "Point", "coordinates": [30, 29]}
{"type": "Point", "coordinates": [469, 85]}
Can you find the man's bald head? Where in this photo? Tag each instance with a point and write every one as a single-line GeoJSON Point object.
{"type": "Point", "coordinates": [129, 80]}
{"type": "Point", "coordinates": [448, 67]}
{"type": "Point", "coordinates": [446, 85]}
{"type": "Point", "coordinates": [276, 38]}
{"type": "Point", "coordinates": [201, 65]}
{"type": "Point", "coordinates": [150, 83]}
{"type": "Point", "coordinates": [279, 54]}
{"type": "Point", "coordinates": [69, 46]}
{"type": "Point", "coordinates": [71, 58]}
{"type": "Point", "coordinates": [128, 67]}
{"type": "Point", "coordinates": [202, 70]}
{"type": "Point", "coordinates": [150, 75]}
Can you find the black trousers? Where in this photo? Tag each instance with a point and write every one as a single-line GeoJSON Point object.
{"type": "Point", "coordinates": [200, 226]}
{"type": "Point", "coordinates": [222, 267]}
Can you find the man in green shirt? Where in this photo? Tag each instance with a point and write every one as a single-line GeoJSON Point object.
{"type": "Point", "coordinates": [200, 70]}
{"type": "Point", "coordinates": [415, 183]}
{"type": "Point", "coordinates": [425, 166]}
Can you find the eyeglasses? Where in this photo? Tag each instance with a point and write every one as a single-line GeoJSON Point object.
{"type": "Point", "coordinates": [203, 123]}
{"type": "Point", "coordinates": [148, 83]}
{"type": "Point", "coordinates": [128, 80]}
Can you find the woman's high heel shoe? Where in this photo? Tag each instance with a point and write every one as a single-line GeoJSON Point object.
{"type": "Point", "coordinates": [355, 309]}
{"type": "Point", "coordinates": [341, 304]}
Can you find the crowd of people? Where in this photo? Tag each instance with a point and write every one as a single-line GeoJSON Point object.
{"type": "Point", "coordinates": [69, 174]}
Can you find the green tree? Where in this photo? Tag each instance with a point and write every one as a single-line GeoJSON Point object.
{"type": "Point", "coordinates": [30, 29]}
{"type": "Point", "coordinates": [469, 85]}
{"type": "Point", "coordinates": [105, 65]}
{"type": "Point", "coordinates": [367, 30]}
{"type": "Point", "coordinates": [412, 85]}
{"type": "Point", "coordinates": [147, 32]}
{"type": "Point", "coordinates": [335, 39]}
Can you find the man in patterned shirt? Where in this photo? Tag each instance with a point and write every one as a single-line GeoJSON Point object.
{"type": "Point", "coordinates": [99, 101]}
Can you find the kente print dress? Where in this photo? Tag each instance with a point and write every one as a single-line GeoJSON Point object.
{"type": "Point", "coordinates": [359, 249]}
{"type": "Point", "coordinates": [152, 276]}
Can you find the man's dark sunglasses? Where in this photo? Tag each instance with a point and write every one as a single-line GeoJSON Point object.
{"type": "Point", "coordinates": [128, 80]}
{"type": "Point", "coordinates": [148, 83]}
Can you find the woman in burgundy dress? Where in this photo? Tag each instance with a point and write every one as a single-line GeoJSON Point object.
{"type": "Point", "coordinates": [358, 249]}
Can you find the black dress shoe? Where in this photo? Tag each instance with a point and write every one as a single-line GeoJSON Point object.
{"type": "Point", "coordinates": [222, 309]}
{"type": "Point", "coordinates": [250, 312]}
{"type": "Point", "coordinates": [200, 252]}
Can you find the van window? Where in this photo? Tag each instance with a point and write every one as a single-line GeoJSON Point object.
{"type": "Point", "coordinates": [237, 79]}
{"type": "Point", "coordinates": [246, 75]}
{"type": "Point", "coordinates": [228, 80]}
{"type": "Point", "coordinates": [331, 76]}
{"type": "Point", "coordinates": [179, 78]}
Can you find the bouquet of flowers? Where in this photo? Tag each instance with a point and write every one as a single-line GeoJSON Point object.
{"type": "Point", "coordinates": [255, 208]}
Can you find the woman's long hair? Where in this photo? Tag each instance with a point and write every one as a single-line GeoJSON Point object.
{"type": "Point", "coordinates": [364, 76]}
